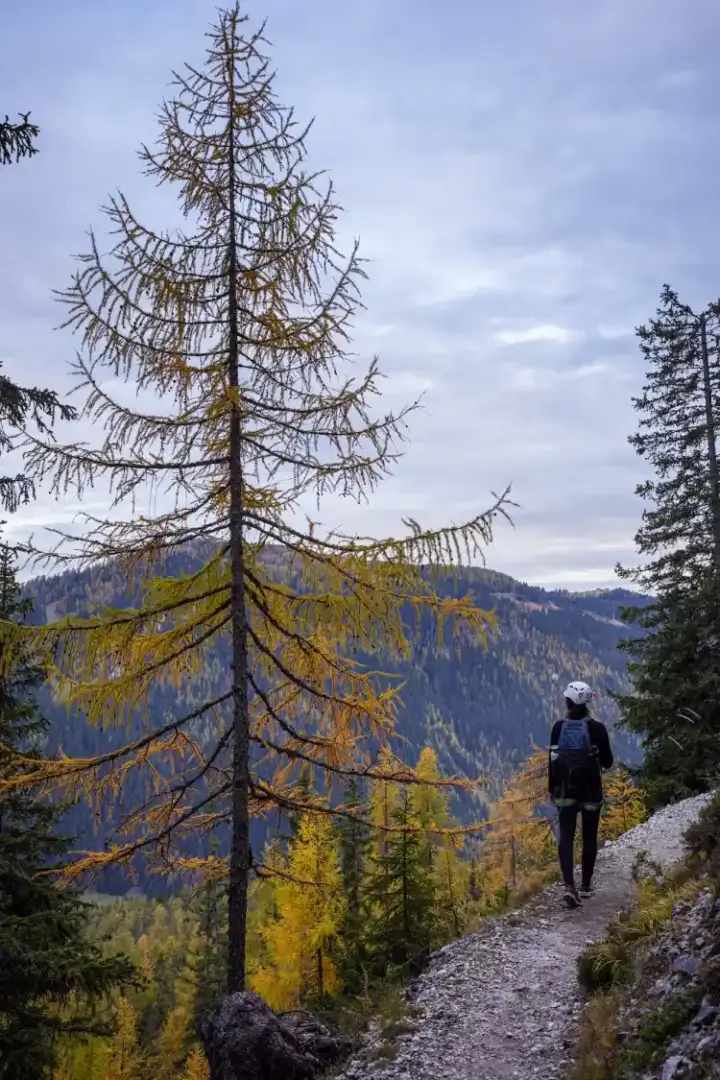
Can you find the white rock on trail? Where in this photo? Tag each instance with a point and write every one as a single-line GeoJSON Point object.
{"type": "Point", "coordinates": [502, 1004]}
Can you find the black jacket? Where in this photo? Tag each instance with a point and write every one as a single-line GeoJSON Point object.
{"type": "Point", "coordinates": [599, 738]}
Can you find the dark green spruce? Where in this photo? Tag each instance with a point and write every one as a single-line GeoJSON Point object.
{"type": "Point", "coordinates": [402, 895]}
{"type": "Point", "coordinates": [17, 139]}
{"type": "Point", "coordinates": [355, 841]}
{"type": "Point", "coordinates": [674, 668]}
{"type": "Point", "coordinates": [51, 978]}
{"type": "Point", "coordinates": [210, 902]}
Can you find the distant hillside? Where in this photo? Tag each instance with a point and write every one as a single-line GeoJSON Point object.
{"type": "Point", "coordinates": [481, 712]}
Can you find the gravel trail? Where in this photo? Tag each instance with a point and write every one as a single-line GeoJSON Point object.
{"type": "Point", "coordinates": [502, 1004]}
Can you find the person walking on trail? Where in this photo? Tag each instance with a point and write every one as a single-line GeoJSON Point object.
{"type": "Point", "coordinates": [579, 752]}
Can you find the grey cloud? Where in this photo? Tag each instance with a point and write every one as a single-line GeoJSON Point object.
{"type": "Point", "coordinates": [507, 168]}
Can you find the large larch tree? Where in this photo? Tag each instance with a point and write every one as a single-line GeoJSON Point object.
{"type": "Point", "coordinates": [233, 331]}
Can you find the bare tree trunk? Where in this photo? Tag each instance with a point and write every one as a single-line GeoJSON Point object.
{"type": "Point", "coordinates": [240, 847]}
{"type": "Point", "coordinates": [712, 451]}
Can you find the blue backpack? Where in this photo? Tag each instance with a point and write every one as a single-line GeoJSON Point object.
{"type": "Point", "coordinates": [574, 763]}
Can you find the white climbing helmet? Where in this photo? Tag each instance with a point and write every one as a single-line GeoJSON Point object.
{"type": "Point", "coordinates": [579, 693]}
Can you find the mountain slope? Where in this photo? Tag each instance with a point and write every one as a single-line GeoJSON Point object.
{"type": "Point", "coordinates": [481, 711]}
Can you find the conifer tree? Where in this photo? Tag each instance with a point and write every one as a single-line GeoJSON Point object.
{"type": "Point", "coordinates": [173, 1044]}
{"type": "Point", "coordinates": [451, 893]}
{"type": "Point", "coordinates": [432, 807]}
{"type": "Point", "coordinates": [20, 405]}
{"type": "Point", "coordinates": [196, 1067]}
{"type": "Point", "coordinates": [210, 966]}
{"type": "Point", "coordinates": [310, 908]}
{"type": "Point", "coordinates": [675, 665]}
{"type": "Point", "coordinates": [17, 139]}
{"type": "Point", "coordinates": [126, 1060]}
{"type": "Point", "coordinates": [50, 975]}
{"type": "Point", "coordinates": [518, 840]}
{"type": "Point", "coordinates": [82, 1059]}
{"type": "Point", "coordinates": [263, 908]}
{"type": "Point", "coordinates": [355, 844]}
{"type": "Point", "coordinates": [303, 795]}
{"type": "Point", "coordinates": [401, 893]}
{"type": "Point", "coordinates": [383, 803]}
{"type": "Point", "coordinates": [474, 887]}
{"type": "Point", "coordinates": [624, 805]}
{"type": "Point", "coordinates": [440, 849]}
{"type": "Point", "coordinates": [234, 330]}
{"type": "Point", "coordinates": [677, 434]}
{"type": "Point", "coordinates": [186, 984]}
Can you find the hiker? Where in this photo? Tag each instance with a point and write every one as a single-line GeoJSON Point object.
{"type": "Point", "coordinates": [579, 751]}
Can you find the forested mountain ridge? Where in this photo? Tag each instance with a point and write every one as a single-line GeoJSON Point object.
{"type": "Point", "coordinates": [481, 710]}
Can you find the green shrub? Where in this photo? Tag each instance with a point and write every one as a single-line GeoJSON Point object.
{"type": "Point", "coordinates": [609, 962]}
{"type": "Point", "coordinates": [601, 1055]}
{"type": "Point", "coordinates": [648, 1048]}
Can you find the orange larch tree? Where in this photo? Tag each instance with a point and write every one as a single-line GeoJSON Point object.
{"type": "Point", "coordinates": [233, 331]}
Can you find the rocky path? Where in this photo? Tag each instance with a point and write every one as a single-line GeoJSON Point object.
{"type": "Point", "coordinates": [502, 1004]}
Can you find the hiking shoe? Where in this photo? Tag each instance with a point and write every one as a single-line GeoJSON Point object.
{"type": "Point", "coordinates": [571, 897]}
{"type": "Point", "coordinates": [586, 891]}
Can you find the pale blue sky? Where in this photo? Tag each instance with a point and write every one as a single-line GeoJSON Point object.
{"type": "Point", "coordinates": [523, 176]}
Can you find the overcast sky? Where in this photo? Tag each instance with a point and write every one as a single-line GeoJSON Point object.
{"type": "Point", "coordinates": [523, 176]}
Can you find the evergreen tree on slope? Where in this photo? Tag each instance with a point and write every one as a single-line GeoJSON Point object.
{"type": "Point", "coordinates": [355, 844]}
{"type": "Point", "coordinates": [211, 962]}
{"type": "Point", "coordinates": [675, 674]}
{"type": "Point", "coordinates": [45, 961]}
{"type": "Point", "coordinates": [674, 668]}
{"type": "Point", "coordinates": [401, 893]}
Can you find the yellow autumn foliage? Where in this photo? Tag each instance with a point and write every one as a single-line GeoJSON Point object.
{"type": "Point", "coordinates": [85, 1060]}
{"type": "Point", "coordinates": [173, 1043]}
{"type": "Point", "coordinates": [308, 908]}
{"type": "Point", "coordinates": [625, 805]}
{"type": "Point", "coordinates": [518, 841]}
{"type": "Point", "coordinates": [237, 326]}
{"type": "Point", "coordinates": [196, 1066]}
{"type": "Point", "coordinates": [125, 1058]}
{"type": "Point", "coordinates": [383, 800]}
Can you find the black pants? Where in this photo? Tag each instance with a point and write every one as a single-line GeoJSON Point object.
{"type": "Point", "coordinates": [567, 816]}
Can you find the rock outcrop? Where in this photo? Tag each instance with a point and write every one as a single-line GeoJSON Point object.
{"type": "Point", "coordinates": [673, 1013]}
{"type": "Point", "coordinates": [245, 1040]}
